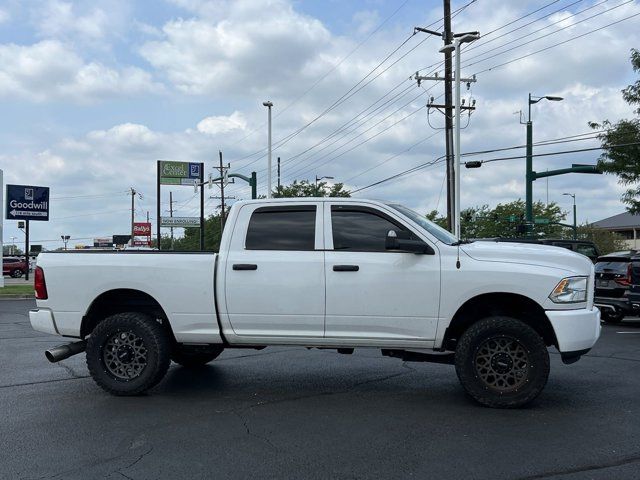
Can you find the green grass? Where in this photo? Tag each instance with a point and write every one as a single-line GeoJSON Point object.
{"type": "Point", "coordinates": [16, 290]}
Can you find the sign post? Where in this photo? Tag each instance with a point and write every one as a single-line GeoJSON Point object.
{"type": "Point", "coordinates": [27, 202]}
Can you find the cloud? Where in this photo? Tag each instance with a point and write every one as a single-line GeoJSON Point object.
{"type": "Point", "coordinates": [50, 70]}
{"type": "Point", "coordinates": [243, 53]}
{"type": "Point", "coordinates": [84, 22]}
{"type": "Point", "coordinates": [220, 124]}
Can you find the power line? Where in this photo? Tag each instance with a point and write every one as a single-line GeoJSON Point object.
{"type": "Point", "coordinates": [510, 46]}
{"type": "Point", "coordinates": [330, 71]}
{"type": "Point", "coordinates": [557, 44]}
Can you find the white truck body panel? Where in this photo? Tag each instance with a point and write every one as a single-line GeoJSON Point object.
{"type": "Point", "coordinates": [394, 300]}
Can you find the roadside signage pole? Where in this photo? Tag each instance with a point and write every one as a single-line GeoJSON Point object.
{"type": "Point", "coordinates": [26, 248]}
{"type": "Point", "coordinates": [202, 206]}
{"type": "Point", "coordinates": [158, 205]}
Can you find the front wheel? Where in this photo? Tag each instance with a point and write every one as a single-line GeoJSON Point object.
{"type": "Point", "coordinates": [17, 273]}
{"type": "Point", "coordinates": [502, 362]}
{"type": "Point", "coordinates": [128, 353]}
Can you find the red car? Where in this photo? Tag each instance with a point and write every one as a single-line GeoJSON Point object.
{"type": "Point", "coordinates": [14, 266]}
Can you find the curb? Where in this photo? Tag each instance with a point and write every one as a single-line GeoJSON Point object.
{"type": "Point", "coordinates": [17, 296]}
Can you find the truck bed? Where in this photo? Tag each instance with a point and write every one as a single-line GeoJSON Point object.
{"type": "Point", "coordinates": [182, 283]}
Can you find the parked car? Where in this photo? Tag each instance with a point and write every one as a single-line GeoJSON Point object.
{"type": "Point", "coordinates": [326, 273]}
{"type": "Point", "coordinates": [584, 247]}
{"type": "Point", "coordinates": [14, 266]}
{"type": "Point", "coordinates": [613, 282]}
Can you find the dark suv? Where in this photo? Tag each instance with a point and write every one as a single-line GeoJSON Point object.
{"type": "Point", "coordinates": [613, 282]}
{"type": "Point", "coordinates": [16, 267]}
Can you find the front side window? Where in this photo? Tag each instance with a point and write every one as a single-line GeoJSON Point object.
{"type": "Point", "coordinates": [361, 230]}
{"type": "Point", "coordinates": [282, 228]}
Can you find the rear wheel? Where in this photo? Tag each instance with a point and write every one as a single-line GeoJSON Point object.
{"type": "Point", "coordinates": [502, 362]}
{"type": "Point", "coordinates": [193, 357]}
{"type": "Point", "coordinates": [128, 353]}
{"type": "Point", "coordinates": [17, 273]}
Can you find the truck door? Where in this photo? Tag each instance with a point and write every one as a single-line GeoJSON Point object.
{"type": "Point", "coordinates": [275, 283]}
{"type": "Point", "coordinates": [373, 292]}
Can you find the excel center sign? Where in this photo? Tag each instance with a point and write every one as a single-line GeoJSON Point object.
{"type": "Point", "coordinates": [179, 173]}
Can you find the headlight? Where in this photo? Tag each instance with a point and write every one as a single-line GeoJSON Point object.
{"type": "Point", "coordinates": [570, 290]}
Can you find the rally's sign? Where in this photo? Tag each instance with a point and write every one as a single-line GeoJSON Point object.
{"type": "Point", "coordinates": [181, 222]}
{"type": "Point", "coordinates": [142, 229]}
{"type": "Point", "coordinates": [179, 173]}
{"type": "Point", "coordinates": [27, 202]}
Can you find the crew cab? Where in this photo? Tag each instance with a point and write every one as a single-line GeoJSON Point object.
{"type": "Point", "coordinates": [327, 273]}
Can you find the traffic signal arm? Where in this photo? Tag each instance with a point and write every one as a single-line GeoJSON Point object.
{"type": "Point", "coordinates": [575, 168]}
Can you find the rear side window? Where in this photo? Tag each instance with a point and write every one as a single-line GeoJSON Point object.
{"type": "Point", "coordinates": [282, 228]}
{"type": "Point", "coordinates": [612, 267]}
{"type": "Point", "coordinates": [587, 250]}
{"type": "Point", "coordinates": [361, 230]}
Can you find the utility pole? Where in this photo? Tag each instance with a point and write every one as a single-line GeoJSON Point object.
{"type": "Point", "coordinates": [447, 107]}
{"type": "Point", "coordinates": [171, 215]}
{"type": "Point", "coordinates": [133, 209]}
{"type": "Point", "coordinates": [448, 114]}
{"type": "Point", "coordinates": [269, 105]}
{"type": "Point", "coordinates": [278, 174]}
{"type": "Point", "coordinates": [458, 40]}
{"type": "Point", "coordinates": [222, 177]}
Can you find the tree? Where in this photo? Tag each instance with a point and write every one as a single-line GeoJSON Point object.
{"type": "Point", "coordinates": [11, 250]}
{"type": "Point", "coordinates": [624, 161]}
{"type": "Point", "coordinates": [505, 220]}
{"type": "Point", "coordinates": [306, 189]}
{"type": "Point", "coordinates": [605, 240]}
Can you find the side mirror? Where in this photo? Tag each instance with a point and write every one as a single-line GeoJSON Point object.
{"type": "Point", "coordinates": [403, 242]}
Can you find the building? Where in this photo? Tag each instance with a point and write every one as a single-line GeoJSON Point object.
{"type": "Point", "coordinates": [624, 224]}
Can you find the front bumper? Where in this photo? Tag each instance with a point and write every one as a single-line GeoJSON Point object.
{"type": "Point", "coordinates": [622, 305]}
{"type": "Point", "coordinates": [575, 330]}
{"type": "Point", "coordinates": [42, 321]}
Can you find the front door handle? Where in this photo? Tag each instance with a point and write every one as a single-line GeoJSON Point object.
{"type": "Point", "coordinates": [245, 266]}
{"type": "Point", "coordinates": [346, 268]}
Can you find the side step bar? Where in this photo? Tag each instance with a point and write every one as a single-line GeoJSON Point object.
{"type": "Point", "coordinates": [446, 358]}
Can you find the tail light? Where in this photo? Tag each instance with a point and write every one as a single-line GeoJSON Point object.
{"type": "Point", "coordinates": [40, 285]}
{"type": "Point", "coordinates": [626, 281]}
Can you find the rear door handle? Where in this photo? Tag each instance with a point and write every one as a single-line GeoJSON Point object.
{"type": "Point", "coordinates": [245, 266]}
{"type": "Point", "coordinates": [346, 268]}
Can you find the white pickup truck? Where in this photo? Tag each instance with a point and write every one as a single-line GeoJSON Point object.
{"type": "Point", "coordinates": [329, 273]}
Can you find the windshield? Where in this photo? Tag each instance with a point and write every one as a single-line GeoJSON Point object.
{"type": "Point", "coordinates": [435, 230]}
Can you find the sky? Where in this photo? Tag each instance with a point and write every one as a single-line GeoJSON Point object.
{"type": "Point", "coordinates": [94, 93]}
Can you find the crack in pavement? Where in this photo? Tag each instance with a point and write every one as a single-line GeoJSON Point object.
{"type": "Point", "coordinates": [245, 423]}
{"type": "Point", "coordinates": [140, 457]}
{"type": "Point", "coordinates": [69, 370]}
{"type": "Point", "coordinates": [587, 468]}
{"type": "Point", "coordinates": [44, 381]}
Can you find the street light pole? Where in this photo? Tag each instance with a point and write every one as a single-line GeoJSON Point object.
{"type": "Point", "coordinates": [529, 177]}
{"type": "Point", "coordinates": [457, 41]}
{"type": "Point", "coordinates": [575, 224]}
{"type": "Point", "coordinates": [269, 104]}
{"type": "Point", "coordinates": [317, 180]}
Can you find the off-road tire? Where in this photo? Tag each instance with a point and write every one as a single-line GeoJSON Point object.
{"type": "Point", "coordinates": [480, 374]}
{"type": "Point", "coordinates": [194, 357]}
{"type": "Point", "coordinates": [612, 319]}
{"type": "Point", "coordinates": [151, 337]}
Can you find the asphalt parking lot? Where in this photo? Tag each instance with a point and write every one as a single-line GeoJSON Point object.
{"type": "Point", "coordinates": [297, 413]}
